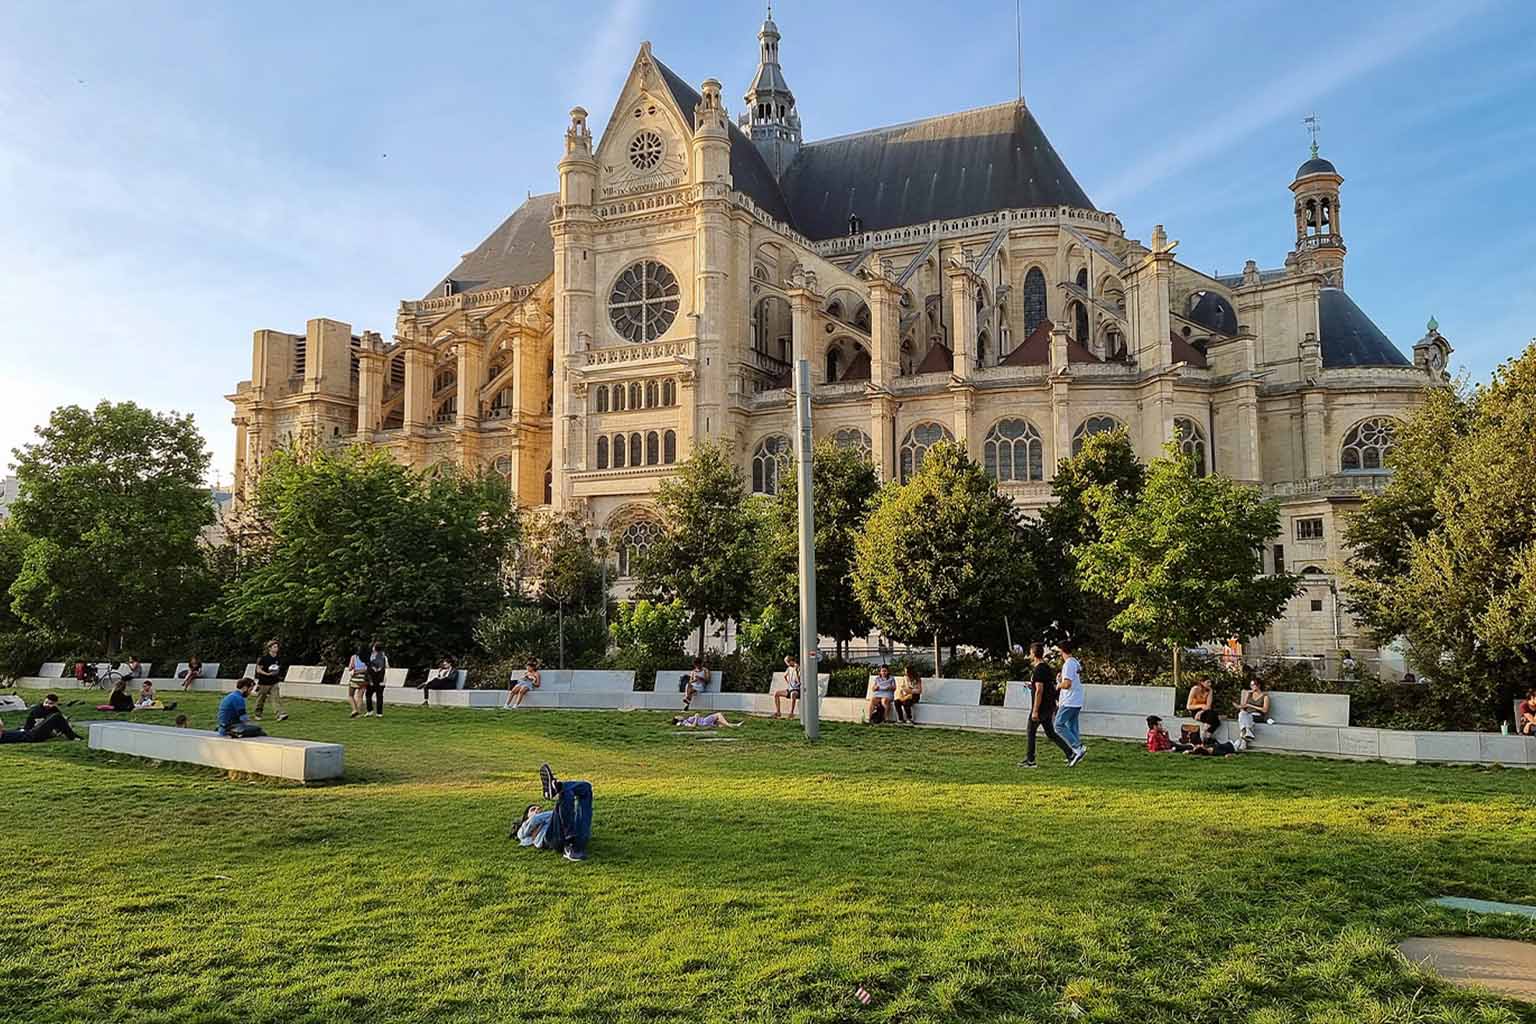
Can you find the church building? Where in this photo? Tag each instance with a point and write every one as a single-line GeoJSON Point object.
{"type": "Point", "coordinates": [947, 278]}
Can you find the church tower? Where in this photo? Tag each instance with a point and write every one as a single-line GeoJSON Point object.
{"type": "Point", "coordinates": [770, 118]}
{"type": "Point", "coordinates": [1319, 241]}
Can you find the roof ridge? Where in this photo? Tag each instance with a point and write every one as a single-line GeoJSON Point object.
{"type": "Point", "coordinates": [917, 121]}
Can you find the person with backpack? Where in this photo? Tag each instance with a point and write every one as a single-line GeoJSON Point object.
{"type": "Point", "coordinates": [357, 680]}
{"type": "Point", "coordinates": [378, 665]}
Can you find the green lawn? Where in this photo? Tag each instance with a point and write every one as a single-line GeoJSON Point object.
{"type": "Point", "coordinates": [758, 880]}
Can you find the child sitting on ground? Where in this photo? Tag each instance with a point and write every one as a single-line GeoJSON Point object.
{"type": "Point", "coordinates": [1158, 740]}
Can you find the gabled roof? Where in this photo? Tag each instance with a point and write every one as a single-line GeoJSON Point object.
{"type": "Point", "coordinates": [1035, 350]}
{"type": "Point", "coordinates": [1184, 352]}
{"type": "Point", "coordinates": [955, 165]}
{"type": "Point", "coordinates": [938, 360]}
{"type": "Point", "coordinates": [519, 251]}
{"type": "Point", "coordinates": [1348, 336]}
{"type": "Point", "coordinates": [749, 172]}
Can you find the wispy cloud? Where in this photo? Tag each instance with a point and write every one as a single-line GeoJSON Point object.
{"type": "Point", "coordinates": [1291, 93]}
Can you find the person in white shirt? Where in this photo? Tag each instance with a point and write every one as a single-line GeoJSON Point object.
{"type": "Point", "coordinates": [1069, 703]}
{"type": "Point", "coordinates": [791, 687]}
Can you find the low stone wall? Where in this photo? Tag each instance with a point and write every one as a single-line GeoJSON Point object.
{"type": "Point", "coordinates": [301, 760]}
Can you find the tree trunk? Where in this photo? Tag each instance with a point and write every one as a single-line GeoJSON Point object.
{"type": "Point", "coordinates": [560, 628]}
{"type": "Point", "coordinates": [1175, 669]}
{"type": "Point", "coordinates": [701, 638]}
{"type": "Point", "coordinates": [938, 657]}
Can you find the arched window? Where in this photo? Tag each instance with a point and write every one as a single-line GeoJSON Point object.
{"type": "Point", "coordinates": [983, 347]}
{"type": "Point", "coordinates": [618, 451]}
{"type": "Point", "coordinates": [915, 447]}
{"type": "Point", "coordinates": [669, 447]}
{"type": "Point", "coordinates": [1366, 445]}
{"type": "Point", "coordinates": [634, 540]}
{"type": "Point", "coordinates": [1014, 451]}
{"type": "Point", "coordinates": [602, 399]}
{"type": "Point", "coordinates": [1082, 278]}
{"type": "Point", "coordinates": [549, 483]}
{"type": "Point", "coordinates": [1034, 300]}
{"type": "Point", "coordinates": [503, 467]}
{"type": "Point", "coordinates": [602, 452]}
{"type": "Point", "coordinates": [1080, 322]}
{"type": "Point", "coordinates": [1090, 426]}
{"type": "Point", "coordinates": [668, 392]}
{"type": "Point", "coordinates": [1191, 441]}
{"type": "Point", "coordinates": [650, 394]}
{"type": "Point", "coordinates": [834, 357]}
{"type": "Point", "coordinates": [771, 454]}
{"type": "Point", "coordinates": [635, 451]}
{"type": "Point", "coordinates": [618, 398]}
{"type": "Point", "coordinates": [853, 438]}
{"type": "Point", "coordinates": [445, 378]}
{"type": "Point", "coordinates": [634, 394]}
{"type": "Point", "coordinates": [448, 410]}
{"type": "Point", "coordinates": [652, 448]}
{"type": "Point", "coordinates": [502, 403]}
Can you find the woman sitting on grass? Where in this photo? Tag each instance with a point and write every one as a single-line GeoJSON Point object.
{"type": "Point", "coordinates": [705, 721]}
{"type": "Point", "coordinates": [118, 699]}
{"type": "Point", "coordinates": [147, 698]}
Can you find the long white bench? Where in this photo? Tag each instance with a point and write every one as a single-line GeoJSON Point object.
{"type": "Point", "coordinates": [303, 760]}
{"type": "Point", "coordinates": [51, 670]}
{"type": "Point", "coordinates": [210, 670]}
{"type": "Point", "coordinates": [951, 702]}
{"type": "Point", "coordinates": [1108, 709]}
{"type": "Point", "coordinates": [583, 688]}
{"type": "Point", "coordinates": [304, 674]}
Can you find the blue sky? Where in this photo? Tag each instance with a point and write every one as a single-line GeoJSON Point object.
{"type": "Point", "coordinates": [174, 176]}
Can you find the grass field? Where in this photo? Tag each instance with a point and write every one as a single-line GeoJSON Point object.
{"type": "Point", "coordinates": [757, 879]}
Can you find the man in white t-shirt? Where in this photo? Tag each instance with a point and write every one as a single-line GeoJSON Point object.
{"type": "Point", "coordinates": [1069, 702]}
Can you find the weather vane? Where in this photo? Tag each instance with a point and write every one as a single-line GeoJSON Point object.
{"type": "Point", "coordinates": [1314, 127]}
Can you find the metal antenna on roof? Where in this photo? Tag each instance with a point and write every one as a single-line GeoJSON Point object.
{"type": "Point", "coordinates": [1018, 42]}
{"type": "Point", "coordinates": [1315, 127]}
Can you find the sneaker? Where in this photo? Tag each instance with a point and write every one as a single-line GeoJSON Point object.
{"type": "Point", "coordinates": [255, 718]}
{"type": "Point", "coordinates": [283, 717]}
{"type": "Point", "coordinates": [368, 714]}
{"type": "Point", "coordinates": [549, 782]}
{"type": "Point", "coordinates": [353, 715]}
{"type": "Point", "coordinates": [1077, 756]}
{"type": "Point", "coordinates": [1028, 764]}
{"type": "Point", "coordinates": [572, 855]}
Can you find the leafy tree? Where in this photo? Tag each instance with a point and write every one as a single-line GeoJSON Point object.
{"type": "Point", "coordinates": [1107, 461]}
{"type": "Point", "coordinates": [352, 545]}
{"type": "Point", "coordinates": [843, 486]}
{"type": "Point", "coordinates": [112, 504]}
{"type": "Point", "coordinates": [1182, 559]}
{"type": "Point", "coordinates": [648, 636]}
{"type": "Point", "coordinates": [705, 554]}
{"type": "Point", "coordinates": [1465, 593]}
{"type": "Point", "coordinates": [941, 558]}
{"type": "Point", "coordinates": [559, 564]}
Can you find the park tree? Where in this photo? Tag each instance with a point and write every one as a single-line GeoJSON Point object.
{"type": "Point", "coordinates": [349, 545]}
{"type": "Point", "coordinates": [705, 554]}
{"type": "Point", "coordinates": [1107, 461]}
{"type": "Point", "coordinates": [843, 486]}
{"type": "Point", "coordinates": [1181, 560]}
{"type": "Point", "coordinates": [112, 504]}
{"type": "Point", "coordinates": [941, 558]}
{"type": "Point", "coordinates": [560, 567]}
{"type": "Point", "coordinates": [1458, 583]}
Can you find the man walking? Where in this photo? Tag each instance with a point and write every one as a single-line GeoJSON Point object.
{"type": "Point", "coordinates": [269, 671]}
{"type": "Point", "coordinates": [1043, 708]}
{"type": "Point", "coordinates": [1069, 701]}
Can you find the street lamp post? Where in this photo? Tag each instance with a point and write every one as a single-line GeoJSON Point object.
{"type": "Point", "coordinates": [810, 703]}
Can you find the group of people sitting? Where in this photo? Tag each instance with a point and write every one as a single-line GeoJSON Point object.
{"type": "Point", "coordinates": [147, 700]}
{"type": "Point", "coordinates": [889, 696]}
{"type": "Point", "coordinates": [1525, 716]}
{"type": "Point", "coordinates": [1200, 739]}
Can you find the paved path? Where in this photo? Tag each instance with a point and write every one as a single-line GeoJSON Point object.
{"type": "Point", "coordinates": [1503, 965]}
{"type": "Point", "coordinates": [1485, 906]}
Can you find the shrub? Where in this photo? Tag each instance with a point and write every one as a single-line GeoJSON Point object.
{"type": "Point", "coordinates": [518, 632]}
{"type": "Point", "coordinates": [648, 637]}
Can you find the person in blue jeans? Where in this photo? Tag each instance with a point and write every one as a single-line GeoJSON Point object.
{"type": "Point", "coordinates": [233, 721]}
{"type": "Point", "coordinates": [1069, 703]}
{"type": "Point", "coordinates": [567, 826]}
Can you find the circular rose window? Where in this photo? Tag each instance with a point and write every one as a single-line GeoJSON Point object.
{"type": "Point", "coordinates": [645, 150]}
{"type": "Point", "coordinates": [644, 301]}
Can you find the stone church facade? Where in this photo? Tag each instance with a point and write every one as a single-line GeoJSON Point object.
{"type": "Point", "coordinates": [946, 278]}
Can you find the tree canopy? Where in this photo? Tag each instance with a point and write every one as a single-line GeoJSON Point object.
{"type": "Point", "coordinates": [705, 555]}
{"type": "Point", "coordinates": [1447, 554]}
{"type": "Point", "coordinates": [112, 504]}
{"type": "Point", "coordinates": [1182, 559]}
{"type": "Point", "coordinates": [942, 558]}
{"type": "Point", "coordinates": [843, 486]}
{"type": "Point", "coordinates": [350, 545]}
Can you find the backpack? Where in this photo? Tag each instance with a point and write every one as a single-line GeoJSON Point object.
{"type": "Point", "coordinates": [877, 714]}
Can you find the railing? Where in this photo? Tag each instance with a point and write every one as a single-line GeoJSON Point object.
{"type": "Point", "coordinates": [768, 364]}
{"type": "Point", "coordinates": [965, 226]}
{"type": "Point", "coordinates": [1336, 485]}
{"type": "Point", "coordinates": [630, 353]}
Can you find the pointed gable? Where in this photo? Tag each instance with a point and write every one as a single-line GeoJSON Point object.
{"type": "Point", "coordinates": [1034, 350]}
{"type": "Point", "coordinates": [1184, 352]}
{"type": "Point", "coordinates": [938, 360]}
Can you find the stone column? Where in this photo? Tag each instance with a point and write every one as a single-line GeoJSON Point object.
{"type": "Point", "coordinates": [574, 299]}
{"type": "Point", "coordinates": [471, 376]}
{"type": "Point", "coordinates": [1250, 456]}
{"type": "Point", "coordinates": [884, 326]}
{"type": "Point", "coordinates": [803, 303]}
{"type": "Point", "coordinates": [1313, 416]}
{"type": "Point", "coordinates": [370, 385]}
{"type": "Point", "coordinates": [418, 386]}
{"type": "Point", "coordinates": [882, 442]}
{"type": "Point", "coordinates": [965, 432]}
{"type": "Point", "coordinates": [1060, 440]}
{"type": "Point", "coordinates": [962, 314]}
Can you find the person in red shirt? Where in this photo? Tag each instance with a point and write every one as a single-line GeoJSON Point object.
{"type": "Point", "coordinates": [1158, 740]}
{"type": "Point", "coordinates": [1525, 722]}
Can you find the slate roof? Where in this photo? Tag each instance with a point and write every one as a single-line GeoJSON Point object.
{"type": "Point", "coordinates": [1317, 165]}
{"type": "Point", "coordinates": [749, 171]}
{"type": "Point", "coordinates": [1035, 350]}
{"type": "Point", "coordinates": [955, 165]}
{"type": "Point", "coordinates": [1348, 336]}
{"type": "Point", "coordinates": [939, 359]}
{"type": "Point", "coordinates": [1214, 312]}
{"type": "Point", "coordinates": [519, 251]}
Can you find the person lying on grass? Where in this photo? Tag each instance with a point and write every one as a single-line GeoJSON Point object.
{"type": "Point", "coordinates": [566, 826]}
{"type": "Point", "coordinates": [43, 722]}
{"type": "Point", "coordinates": [1158, 740]}
{"type": "Point", "coordinates": [1210, 746]}
{"type": "Point", "coordinates": [705, 721]}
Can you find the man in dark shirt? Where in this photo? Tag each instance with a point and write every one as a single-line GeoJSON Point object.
{"type": "Point", "coordinates": [269, 672]}
{"type": "Point", "coordinates": [43, 722]}
{"type": "Point", "coordinates": [1043, 709]}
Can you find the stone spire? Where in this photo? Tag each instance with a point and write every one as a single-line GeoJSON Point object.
{"type": "Point", "coordinates": [770, 118]}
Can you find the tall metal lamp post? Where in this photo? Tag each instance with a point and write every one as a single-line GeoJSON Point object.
{"type": "Point", "coordinates": [810, 702]}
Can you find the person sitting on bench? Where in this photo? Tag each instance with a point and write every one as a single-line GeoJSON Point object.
{"type": "Point", "coordinates": [444, 677]}
{"type": "Point", "coordinates": [1201, 704]}
{"type": "Point", "coordinates": [522, 686]}
{"type": "Point", "coordinates": [567, 826]}
{"type": "Point", "coordinates": [705, 721]}
{"type": "Point", "coordinates": [1252, 708]}
{"type": "Point", "coordinates": [43, 722]}
{"type": "Point", "coordinates": [233, 721]}
{"type": "Point", "coordinates": [192, 673]}
{"type": "Point", "coordinates": [1525, 716]}
{"type": "Point", "coordinates": [791, 688]}
{"type": "Point", "coordinates": [694, 682]}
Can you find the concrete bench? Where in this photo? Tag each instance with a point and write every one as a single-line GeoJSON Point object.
{"type": "Point", "coordinates": [667, 681]}
{"type": "Point", "coordinates": [302, 760]}
{"type": "Point", "coordinates": [303, 674]}
{"type": "Point", "coordinates": [210, 670]}
{"type": "Point", "coordinates": [52, 670]}
{"type": "Point", "coordinates": [590, 689]}
{"type": "Point", "coordinates": [954, 702]}
{"type": "Point", "coordinates": [1305, 709]}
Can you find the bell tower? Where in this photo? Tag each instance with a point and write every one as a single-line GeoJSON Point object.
{"type": "Point", "coordinates": [1319, 240]}
{"type": "Point", "coordinates": [770, 119]}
